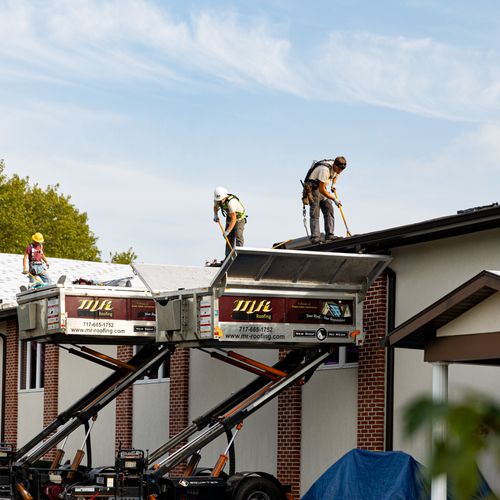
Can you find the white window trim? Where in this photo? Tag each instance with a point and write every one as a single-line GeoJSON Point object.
{"type": "Point", "coordinates": [341, 364]}
{"type": "Point", "coordinates": [158, 380]}
{"type": "Point", "coordinates": [38, 375]}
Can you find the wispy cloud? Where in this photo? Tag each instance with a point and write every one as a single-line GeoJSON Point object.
{"type": "Point", "coordinates": [126, 40]}
{"type": "Point", "coordinates": [419, 76]}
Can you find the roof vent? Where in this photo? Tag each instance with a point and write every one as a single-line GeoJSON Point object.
{"type": "Point", "coordinates": [476, 209]}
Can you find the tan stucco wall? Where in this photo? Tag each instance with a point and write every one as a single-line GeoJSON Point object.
{"type": "Point", "coordinates": [329, 408]}
{"type": "Point", "coordinates": [150, 415]}
{"type": "Point", "coordinates": [76, 377]}
{"type": "Point", "coordinates": [211, 381]}
{"type": "Point", "coordinates": [425, 273]}
{"type": "Point", "coordinates": [30, 421]}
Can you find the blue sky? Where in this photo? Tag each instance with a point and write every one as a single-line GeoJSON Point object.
{"type": "Point", "coordinates": [139, 108]}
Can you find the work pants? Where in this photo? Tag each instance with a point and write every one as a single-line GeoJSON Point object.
{"type": "Point", "coordinates": [38, 269]}
{"type": "Point", "coordinates": [235, 237]}
{"type": "Point", "coordinates": [319, 204]}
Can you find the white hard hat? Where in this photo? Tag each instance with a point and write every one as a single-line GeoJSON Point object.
{"type": "Point", "coordinates": [220, 193]}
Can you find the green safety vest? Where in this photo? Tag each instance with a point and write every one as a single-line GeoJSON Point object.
{"type": "Point", "coordinates": [224, 207]}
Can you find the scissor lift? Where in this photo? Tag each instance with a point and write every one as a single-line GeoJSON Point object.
{"type": "Point", "coordinates": [307, 302]}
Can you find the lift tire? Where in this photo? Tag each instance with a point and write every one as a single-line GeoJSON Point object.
{"type": "Point", "coordinates": [257, 488]}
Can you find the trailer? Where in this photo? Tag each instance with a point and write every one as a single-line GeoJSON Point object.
{"type": "Point", "coordinates": [307, 302]}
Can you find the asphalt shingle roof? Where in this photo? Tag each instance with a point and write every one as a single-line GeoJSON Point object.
{"type": "Point", "coordinates": [11, 277]}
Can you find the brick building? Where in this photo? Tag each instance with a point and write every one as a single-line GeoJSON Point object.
{"type": "Point", "coordinates": [356, 401]}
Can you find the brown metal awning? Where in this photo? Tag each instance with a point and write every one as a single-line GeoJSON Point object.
{"type": "Point", "coordinates": [419, 332]}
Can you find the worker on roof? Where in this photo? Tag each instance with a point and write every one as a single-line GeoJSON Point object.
{"type": "Point", "coordinates": [35, 264]}
{"type": "Point", "coordinates": [322, 175]}
{"type": "Point", "coordinates": [236, 217]}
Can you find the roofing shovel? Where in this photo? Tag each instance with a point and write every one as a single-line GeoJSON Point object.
{"type": "Point", "coordinates": [224, 234]}
{"type": "Point", "coordinates": [339, 206]}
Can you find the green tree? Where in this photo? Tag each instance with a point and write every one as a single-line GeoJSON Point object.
{"type": "Point", "coordinates": [472, 428]}
{"type": "Point", "coordinates": [26, 209]}
{"type": "Point", "coordinates": [127, 257]}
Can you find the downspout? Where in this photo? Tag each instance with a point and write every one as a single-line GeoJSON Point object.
{"type": "Point", "coordinates": [389, 371]}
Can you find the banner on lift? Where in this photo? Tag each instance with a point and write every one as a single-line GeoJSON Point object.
{"type": "Point", "coordinates": [109, 315]}
{"type": "Point", "coordinates": [286, 310]}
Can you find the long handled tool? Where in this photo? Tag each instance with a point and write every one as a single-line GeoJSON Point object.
{"type": "Point", "coordinates": [339, 206]}
{"type": "Point", "coordinates": [35, 278]}
{"type": "Point", "coordinates": [224, 234]}
{"type": "Point", "coordinates": [80, 453]}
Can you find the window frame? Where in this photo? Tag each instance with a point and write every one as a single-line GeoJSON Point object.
{"type": "Point", "coordinates": [24, 379]}
{"type": "Point", "coordinates": [342, 363]}
{"type": "Point", "coordinates": [161, 369]}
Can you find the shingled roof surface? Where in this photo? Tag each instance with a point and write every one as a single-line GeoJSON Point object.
{"type": "Point", "coordinates": [11, 277]}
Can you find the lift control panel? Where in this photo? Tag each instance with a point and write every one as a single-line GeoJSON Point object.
{"type": "Point", "coordinates": [261, 297]}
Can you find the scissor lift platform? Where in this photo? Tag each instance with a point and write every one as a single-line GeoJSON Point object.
{"type": "Point", "coordinates": [264, 298]}
{"type": "Point", "coordinates": [71, 314]}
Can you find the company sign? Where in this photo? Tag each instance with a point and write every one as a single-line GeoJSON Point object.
{"type": "Point", "coordinates": [286, 310]}
{"type": "Point", "coordinates": [86, 315]}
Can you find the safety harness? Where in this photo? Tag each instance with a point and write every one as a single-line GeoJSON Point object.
{"type": "Point", "coordinates": [321, 163]}
{"type": "Point", "coordinates": [224, 207]}
{"type": "Point", "coordinates": [33, 253]}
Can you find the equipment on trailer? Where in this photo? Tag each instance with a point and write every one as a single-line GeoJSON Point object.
{"type": "Point", "coordinates": [308, 302]}
{"type": "Point", "coordinates": [266, 298]}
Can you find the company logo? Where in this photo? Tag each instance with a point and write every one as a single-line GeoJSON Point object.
{"type": "Point", "coordinates": [321, 334]}
{"type": "Point", "coordinates": [252, 306]}
{"type": "Point", "coordinates": [93, 305]}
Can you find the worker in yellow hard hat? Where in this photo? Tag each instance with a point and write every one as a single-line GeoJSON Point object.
{"type": "Point", "coordinates": [35, 264]}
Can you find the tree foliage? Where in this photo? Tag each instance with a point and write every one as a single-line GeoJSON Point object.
{"type": "Point", "coordinates": [26, 209]}
{"type": "Point", "coordinates": [127, 257]}
{"type": "Point", "coordinates": [472, 428]}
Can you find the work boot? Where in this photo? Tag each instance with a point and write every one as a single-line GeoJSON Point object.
{"type": "Point", "coordinates": [331, 237]}
{"type": "Point", "coordinates": [315, 240]}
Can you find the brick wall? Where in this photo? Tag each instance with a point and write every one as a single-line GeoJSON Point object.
{"type": "Point", "coordinates": [51, 388]}
{"type": "Point", "coordinates": [124, 406]}
{"type": "Point", "coordinates": [11, 382]}
{"type": "Point", "coordinates": [179, 396]}
{"type": "Point", "coordinates": [371, 370]}
{"type": "Point", "coordinates": [289, 436]}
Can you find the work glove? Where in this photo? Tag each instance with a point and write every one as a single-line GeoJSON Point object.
{"type": "Point", "coordinates": [25, 271]}
{"type": "Point", "coordinates": [226, 233]}
{"type": "Point", "coordinates": [216, 218]}
{"type": "Point", "coordinates": [337, 202]}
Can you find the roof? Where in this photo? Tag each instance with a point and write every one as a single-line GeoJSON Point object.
{"type": "Point", "coordinates": [11, 278]}
{"type": "Point", "coordinates": [418, 330]}
{"type": "Point", "coordinates": [463, 222]}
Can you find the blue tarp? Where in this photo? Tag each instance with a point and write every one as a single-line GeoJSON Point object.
{"type": "Point", "coordinates": [376, 475]}
{"type": "Point", "coordinates": [370, 475]}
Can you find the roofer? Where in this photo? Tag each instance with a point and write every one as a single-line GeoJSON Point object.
{"type": "Point", "coordinates": [317, 196]}
{"type": "Point", "coordinates": [35, 263]}
{"type": "Point", "coordinates": [236, 217]}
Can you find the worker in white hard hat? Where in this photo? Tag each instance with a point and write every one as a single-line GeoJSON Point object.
{"type": "Point", "coordinates": [236, 217]}
{"type": "Point", "coordinates": [35, 264]}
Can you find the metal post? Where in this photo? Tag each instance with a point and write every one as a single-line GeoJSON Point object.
{"type": "Point", "coordinates": [439, 395]}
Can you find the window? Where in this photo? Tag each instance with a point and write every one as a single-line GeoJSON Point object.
{"type": "Point", "coordinates": [158, 374]}
{"type": "Point", "coordinates": [31, 365]}
{"type": "Point", "coordinates": [343, 357]}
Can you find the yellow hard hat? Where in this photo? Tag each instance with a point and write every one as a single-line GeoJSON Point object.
{"type": "Point", "coordinates": [38, 237]}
